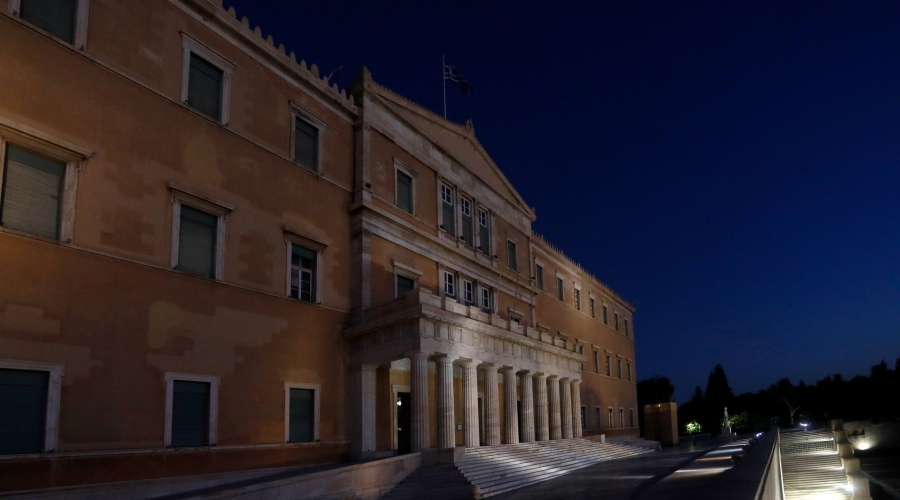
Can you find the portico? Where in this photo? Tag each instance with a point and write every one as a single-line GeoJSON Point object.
{"type": "Point", "coordinates": [456, 354]}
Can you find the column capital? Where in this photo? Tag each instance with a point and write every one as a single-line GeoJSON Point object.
{"type": "Point", "coordinates": [505, 369]}
{"type": "Point", "coordinates": [565, 380]}
{"type": "Point", "coordinates": [488, 366]}
{"type": "Point", "coordinates": [540, 375]}
{"type": "Point", "coordinates": [523, 372]}
{"type": "Point", "coordinates": [552, 377]}
{"type": "Point", "coordinates": [418, 355]}
{"type": "Point", "coordinates": [444, 357]}
{"type": "Point", "coordinates": [468, 362]}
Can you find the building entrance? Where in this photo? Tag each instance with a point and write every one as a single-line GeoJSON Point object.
{"type": "Point", "coordinates": [404, 407]}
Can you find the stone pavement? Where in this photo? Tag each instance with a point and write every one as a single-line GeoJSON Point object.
{"type": "Point", "coordinates": [616, 480]}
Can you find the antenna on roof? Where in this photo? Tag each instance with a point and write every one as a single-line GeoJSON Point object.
{"type": "Point", "coordinates": [336, 72]}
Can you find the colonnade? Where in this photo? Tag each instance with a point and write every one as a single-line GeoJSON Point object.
{"type": "Point", "coordinates": [551, 406]}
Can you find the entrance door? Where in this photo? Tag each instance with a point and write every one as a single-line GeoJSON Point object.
{"type": "Point", "coordinates": [23, 410]}
{"type": "Point", "coordinates": [481, 423]}
{"type": "Point", "coordinates": [520, 418]}
{"type": "Point", "coordinates": [403, 422]}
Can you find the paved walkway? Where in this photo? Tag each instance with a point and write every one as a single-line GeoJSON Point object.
{"type": "Point", "coordinates": [616, 480]}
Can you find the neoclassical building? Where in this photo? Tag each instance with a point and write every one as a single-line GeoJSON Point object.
{"type": "Point", "coordinates": [213, 259]}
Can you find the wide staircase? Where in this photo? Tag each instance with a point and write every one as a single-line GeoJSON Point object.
{"type": "Point", "coordinates": [498, 469]}
{"type": "Point", "coordinates": [811, 466]}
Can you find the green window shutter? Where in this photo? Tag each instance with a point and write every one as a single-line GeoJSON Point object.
{"type": "Point", "coordinates": [511, 255]}
{"type": "Point", "coordinates": [56, 17]}
{"type": "Point", "coordinates": [539, 276]}
{"type": "Point", "coordinates": [449, 222]}
{"type": "Point", "coordinates": [404, 284]}
{"type": "Point", "coordinates": [32, 190]}
{"type": "Point", "coordinates": [23, 412]}
{"type": "Point", "coordinates": [468, 230]}
{"type": "Point", "coordinates": [197, 242]}
{"type": "Point", "coordinates": [404, 192]}
{"type": "Point", "coordinates": [205, 87]}
{"type": "Point", "coordinates": [190, 413]}
{"type": "Point", "coordinates": [302, 415]}
{"type": "Point", "coordinates": [306, 145]}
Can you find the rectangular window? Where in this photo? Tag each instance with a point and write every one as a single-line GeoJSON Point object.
{"type": "Point", "coordinates": [190, 413]}
{"type": "Point", "coordinates": [539, 276]}
{"type": "Point", "coordinates": [404, 192]}
{"type": "Point", "coordinates": [306, 146]}
{"type": "Point", "coordinates": [578, 299]}
{"type": "Point", "coordinates": [583, 421]}
{"type": "Point", "coordinates": [486, 305]}
{"type": "Point", "coordinates": [626, 327]}
{"type": "Point", "coordinates": [596, 362]}
{"type": "Point", "coordinates": [23, 414]}
{"type": "Point", "coordinates": [610, 419]}
{"type": "Point", "coordinates": [581, 351]}
{"type": "Point", "coordinates": [56, 17]}
{"type": "Point", "coordinates": [605, 315]}
{"type": "Point", "coordinates": [512, 258]}
{"type": "Point", "coordinates": [484, 233]}
{"type": "Point", "coordinates": [622, 417]}
{"type": "Point", "coordinates": [597, 416]}
{"type": "Point", "coordinates": [616, 317]}
{"type": "Point", "coordinates": [205, 82]}
{"type": "Point", "coordinates": [559, 289]}
{"type": "Point", "coordinates": [468, 226]}
{"type": "Point", "coordinates": [619, 367]}
{"type": "Point", "coordinates": [449, 285]}
{"type": "Point", "coordinates": [448, 223]}
{"type": "Point", "coordinates": [197, 234]}
{"type": "Point", "coordinates": [32, 193]}
{"type": "Point", "coordinates": [631, 416]}
{"type": "Point", "coordinates": [404, 284]}
{"type": "Point", "coordinates": [301, 421]}
{"type": "Point", "coordinates": [593, 312]}
{"type": "Point", "coordinates": [303, 273]}
{"type": "Point", "coordinates": [468, 292]}
{"type": "Point", "coordinates": [608, 366]}
{"type": "Point", "coordinates": [628, 368]}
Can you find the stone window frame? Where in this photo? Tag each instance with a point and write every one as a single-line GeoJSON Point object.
{"type": "Point", "coordinates": [464, 282]}
{"type": "Point", "coordinates": [605, 307]}
{"type": "Point", "coordinates": [608, 362]}
{"type": "Point", "coordinates": [515, 244]}
{"type": "Point", "coordinates": [598, 416]}
{"type": "Point", "coordinates": [81, 22]}
{"type": "Point", "coordinates": [317, 391]}
{"type": "Point", "coordinates": [619, 366]}
{"type": "Point", "coordinates": [611, 423]}
{"type": "Point", "coordinates": [54, 395]}
{"type": "Point", "coordinates": [596, 357]}
{"type": "Point", "coordinates": [295, 236]}
{"type": "Point", "coordinates": [214, 382]}
{"type": "Point", "coordinates": [490, 296]}
{"type": "Point", "coordinates": [583, 417]}
{"type": "Point", "coordinates": [560, 287]}
{"type": "Point", "coordinates": [626, 326]}
{"type": "Point", "coordinates": [318, 123]}
{"type": "Point", "coordinates": [182, 195]}
{"type": "Point", "coordinates": [410, 272]}
{"type": "Point", "coordinates": [631, 417]}
{"type": "Point", "coordinates": [442, 183]}
{"type": "Point", "coordinates": [622, 416]}
{"type": "Point", "coordinates": [616, 319]}
{"type": "Point", "coordinates": [576, 295]}
{"type": "Point", "coordinates": [629, 365]}
{"type": "Point", "coordinates": [399, 166]}
{"type": "Point", "coordinates": [191, 46]}
{"type": "Point", "coordinates": [449, 276]}
{"type": "Point", "coordinates": [461, 199]}
{"type": "Point", "coordinates": [51, 148]}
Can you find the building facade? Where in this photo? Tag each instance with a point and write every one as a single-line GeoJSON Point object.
{"type": "Point", "coordinates": [213, 259]}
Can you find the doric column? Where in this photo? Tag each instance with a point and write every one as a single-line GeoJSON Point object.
{"type": "Point", "coordinates": [446, 420]}
{"type": "Point", "coordinates": [553, 387]}
{"type": "Point", "coordinates": [576, 408]}
{"type": "Point", "coordinates": [541, 408]}
{"type": "Point", "coordinates": [491, 406]}
{"type": "Point", "coordinates": [510, 405]}
{"type": "Point", "coordinates": [419, 437]}
{"type": "Point", "coordinates": [527, 409]}
{"type": "Point", "coordinates": [565, 390]}
{"type": "Point", "coordinates": [362, 393]}
{"type": "Point", "coordinates": [470, 403]}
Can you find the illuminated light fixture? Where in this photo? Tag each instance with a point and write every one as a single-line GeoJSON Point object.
{"type": "Point", "coordinates": [399, 403]}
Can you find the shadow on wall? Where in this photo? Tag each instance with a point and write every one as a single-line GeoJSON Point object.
{"type": "Point", "coordinates": [873, 435]}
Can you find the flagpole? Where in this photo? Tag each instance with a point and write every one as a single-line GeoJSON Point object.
{"type": "Point", "coordinates": [444, 79]}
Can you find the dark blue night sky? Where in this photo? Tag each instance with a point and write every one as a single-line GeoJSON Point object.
{"type": "Point", "coordinates": [733, 167]}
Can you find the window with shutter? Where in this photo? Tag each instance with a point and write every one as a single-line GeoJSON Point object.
{"type": "Point", "coordinates": [512, 258]}
{"type": "Point", "coordinates": [404, 192]}
{"type": "Point", "coordinates": [303, 273]}
{"type": "Point", "coordinates": [56, 17]}
{"type": "Point", "coordinates": [560, 294]}
{"type": "Point", "coordinates": [197, 242]}
{"type": "Point", "coordinates": [486, 303]}
{"type": "Point", "coordinates": [190, 413]}
{"type": "Point", "coordinates": [577, 299]}
{"type": "Point", "coordinates": [468, 228]}
{"type": "Point", "coordinates": [484, 233]}
{"type": "Point", "coordinates": [539, 276]}
{"type": "Point", "coordinates": [23, 413]}
{"type": "Point", "coordinates": [302, 415]}
{"type": "Point", "coordinates": [448, 223]}
{"type": "Point", "coordinates": [32, 190]}
{"type": "Point", "coordinates": [449, 285]}
{"type": "Point", "coordinates": [306, 144]}
{"type": "Point", "coordinates": [205, 87]}
{"type": "Point", "coordinates": [404, 284]}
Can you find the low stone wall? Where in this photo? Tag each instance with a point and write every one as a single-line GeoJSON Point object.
{"type": "Point", "coordinates": [865, 435]}
{"type": "Point", "coordinates": [756, 474]}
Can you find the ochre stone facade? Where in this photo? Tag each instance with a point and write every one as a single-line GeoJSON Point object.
{"type": "Point", "coordinates": [107, 309]}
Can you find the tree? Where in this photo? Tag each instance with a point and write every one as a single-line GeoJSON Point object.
{"type": "Point", "coordinates": [785, 392]}
{"type": "Point", "coordinates": [718, 396]}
